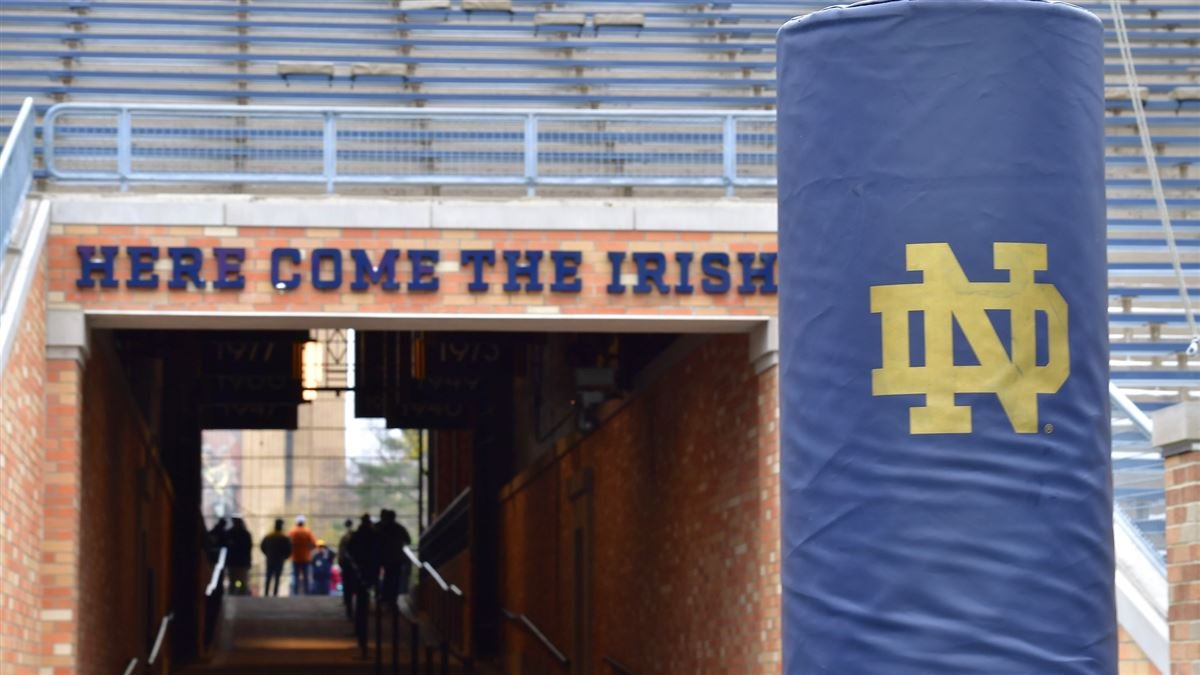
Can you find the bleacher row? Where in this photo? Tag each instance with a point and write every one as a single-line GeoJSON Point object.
{"type": "Point", "coordinates": [476, 52]}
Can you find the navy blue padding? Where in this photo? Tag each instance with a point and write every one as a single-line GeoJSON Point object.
{"type": "Point", "coordinates": [964, 123]}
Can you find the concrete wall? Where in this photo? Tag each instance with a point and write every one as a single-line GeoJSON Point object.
{"type": "Point", "coordinates": [23, 441]}
{"type": "Point", "coordinates": [684, 515]}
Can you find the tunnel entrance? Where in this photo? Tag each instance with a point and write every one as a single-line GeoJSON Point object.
{"type": "Point", "coordinates": [554, 486]}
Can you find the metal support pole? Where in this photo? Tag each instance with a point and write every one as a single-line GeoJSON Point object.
{"type": "Point", "coordinates": [445, 657]}
{"type": "Point", "coordinates": [329, 151]}
{"type": "Point", "coordinates": [531, 155]}
{"type": "Point", "coordinates": [415, 648]}
{"type": "Point", "coordinates": [378, 635]}
{"type": "Point", "coordinates": [428, 659]}
{"type": "Point", "coordinates": [729, 153]}
{"type": "Point", "coordinates": [124, 147]}
{"type": "Point", "coordinates": [421, 482]}
{"type": "Point", "coordinates": [396, 639]}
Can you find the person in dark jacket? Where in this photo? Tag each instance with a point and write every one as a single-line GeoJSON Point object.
{"type": "Point", "coordinates": [344, 564]}
{"type": "Point", "coordinates": [277, 547]}
{"type": "Point", "coordinates": [322, 569]}
{"type": "Point", "coordinates": [364, 556]}
{"type": "Point", "coordinates": [216, 539]}
{"type": "Point", "coordinates": [237, 558]}
{"type": "Point", "coordinates": [393, 537]}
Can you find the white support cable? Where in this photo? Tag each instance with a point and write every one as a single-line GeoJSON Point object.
{"type": "Point", "coordinates": [132, 664]}
{"type": "Point", "coordinates": [1160, 199]}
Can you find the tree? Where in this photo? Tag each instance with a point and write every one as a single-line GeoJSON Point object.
{"type": "Point", "coordinates": [389, 479]}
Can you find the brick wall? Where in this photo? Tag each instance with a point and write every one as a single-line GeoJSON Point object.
{"type": "Point", "coordinates": [686, 540]}
{"type": "Point", "coordinates": [452, 297]}
{"type": "Point", "coordinates": [61, 509]}
{"type": "Point", "coordinates": [1182, 478]}
{"type": "Point", "coordinates": [22, 437]}
{"type": "Point", "coordinates": [122, 566]}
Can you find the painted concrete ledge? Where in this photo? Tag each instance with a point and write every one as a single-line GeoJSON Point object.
{"type": "Point", "coordinates": [532, 322]}
{"type": "Point", "coordinates": [535, 213]}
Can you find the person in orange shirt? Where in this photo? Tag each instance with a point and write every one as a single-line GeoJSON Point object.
{"type": "Point", "coordinates": [303, 543]}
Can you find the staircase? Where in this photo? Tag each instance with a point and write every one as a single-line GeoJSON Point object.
{"type": "Point", "coordinates": [292, 635]}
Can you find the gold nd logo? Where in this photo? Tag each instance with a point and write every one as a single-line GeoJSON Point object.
{"type": "Point", "coordinates": [945, 296]}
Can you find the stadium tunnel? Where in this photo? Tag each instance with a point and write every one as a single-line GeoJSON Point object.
{"type": "Point", "coordinates": [568, 479]}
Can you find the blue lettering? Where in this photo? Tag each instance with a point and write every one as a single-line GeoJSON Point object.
{"type": "Point", "coordinates": [516, 270]}
{"type": "Point", "coordinates": [684, 287]}
{"type": "Point", "coordinates": [229, 268]}
{"type": "Point", "coordinates": [716, 271]}
{"type": "Point", "coordinates": [185, 266]}
{"type": "Point", "coordinates": [89, 266]}
{"type": "Point", "coordinates": [141, 262]}
{"type": "Point", "coordinates": [424, 272]}
{"type": "Point", "coordinates": [477, 258]}
{"type": "Point", "coordinates": [566, 271]}
{"type": "Point", "coordinates": [319, 256]}
{"type": "Point", "coordinates": [615, 287]}
{"type": "Point", "coordinates": [647, 275]}
{"type": "Point", "coordinates": [366, 274]}
{"type": "Point", "coordinates": [765, 273]}
{"type": "Point", "coordinates": [277, 257]}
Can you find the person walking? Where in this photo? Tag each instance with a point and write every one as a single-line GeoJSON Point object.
{"type": "Point", "coordinates": [217, 540]}
{"type": "Point", "coordinates": [303, 545]}
{"type": "Point", "coordinates": [238, 558]}
{"type": "Point", "coordinates": [364, 553]}
{"type": "Point", "coordinates": [276, 547]}
{"type": "Point", "coordinates": [322, 568]}
{"type": "Point", "coordinates": [346, 567]}
{"type": "Point", "coordinates": [393, 537]}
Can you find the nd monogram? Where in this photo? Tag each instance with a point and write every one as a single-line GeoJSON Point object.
{"type": "Point", "coordinates": [945, 296]}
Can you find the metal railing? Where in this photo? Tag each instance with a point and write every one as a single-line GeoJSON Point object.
{"type": "Point", "coordinates": [451, 611]}
{"type": "Point", "coordinates": [132, 143]}
{"type": "Point", "coordinates": [617, 667]}
{"type": "Point", "coordinates": [158, 639]}
{"type": "Point", "coordinates": [1139, 492]}
{"type": "Point", "coordinates": [434, 638]}
{"type": "Point", "coordinates": [16, 170]}
{"type": "Point", "coordinates": [532, 628]}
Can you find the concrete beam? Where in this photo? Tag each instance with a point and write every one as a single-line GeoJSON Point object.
{"type": "Point", "coordinates": [533, 322]}
{"type": "Point", "coordinates": [338, 211]}
{"type": "Point", "coordinates": [764, 345]}
{"type": "Point", "coordinates": [1177, 428]}
{"type": "Point", "coordinates": [18, 267]}
{"type": "Point", "coordinates": [66, 335]}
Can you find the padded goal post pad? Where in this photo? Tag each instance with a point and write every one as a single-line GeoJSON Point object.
{"type": "Point", "coordinates": [946, 482]}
